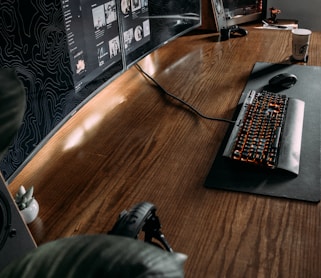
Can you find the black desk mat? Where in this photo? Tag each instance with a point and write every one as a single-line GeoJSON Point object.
{"type": "Point", "coordinates": [228, 175]}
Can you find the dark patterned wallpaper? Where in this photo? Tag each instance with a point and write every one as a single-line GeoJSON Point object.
{"type": "Point", "coordinates": [33, 43]}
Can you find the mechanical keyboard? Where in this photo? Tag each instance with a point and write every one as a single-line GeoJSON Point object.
{"type": "Point", "coordinates": [268, 132]}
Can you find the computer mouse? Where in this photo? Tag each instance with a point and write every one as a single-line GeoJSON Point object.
{"type": "Point", "coordinates": [283, 80]}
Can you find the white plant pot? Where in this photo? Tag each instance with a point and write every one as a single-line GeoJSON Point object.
{"type": "Point", "coordinates": [30, 213]}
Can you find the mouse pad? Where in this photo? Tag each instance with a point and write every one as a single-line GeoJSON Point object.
{"type": "Point", "coordinates": [228, 175]}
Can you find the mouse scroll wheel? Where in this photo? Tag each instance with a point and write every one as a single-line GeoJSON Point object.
{"type": "Point", "coordinates": [292, 80]}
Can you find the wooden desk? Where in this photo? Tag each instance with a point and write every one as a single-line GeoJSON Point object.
{"type": "Point", "coordinates": [131, 144]}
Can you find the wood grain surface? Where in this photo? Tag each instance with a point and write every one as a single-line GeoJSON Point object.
{"type": "Point", "coordinates": [130, 143]}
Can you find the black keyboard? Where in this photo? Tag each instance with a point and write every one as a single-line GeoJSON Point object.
{"type": "Point", "coordinates": [268, 132]}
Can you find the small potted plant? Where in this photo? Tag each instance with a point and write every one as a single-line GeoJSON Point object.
{"type": "Point", "coordinates": [27, 204]}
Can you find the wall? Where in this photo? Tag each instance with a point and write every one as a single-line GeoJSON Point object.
{"type": "Point", "coordinates": [308, 12]}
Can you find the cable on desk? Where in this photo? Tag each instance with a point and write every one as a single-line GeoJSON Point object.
{"type": "Point", "coordinates": [196, 111]}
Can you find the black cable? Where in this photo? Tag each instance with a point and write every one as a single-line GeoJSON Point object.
{"type": "Point", "coordinates": [139, 68]}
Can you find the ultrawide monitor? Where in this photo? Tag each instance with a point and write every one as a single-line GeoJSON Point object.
{"type": "Point", "coordinates": [103, 32]}
{"type": "Point", "coordinates": [66, 51]}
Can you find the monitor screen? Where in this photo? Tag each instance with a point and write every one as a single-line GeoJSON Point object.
{"type": "Point", "coordinates": [242, 11]}
{"type": "Point", "coordinates": [66, 51]}
{"type": "Point", "coordinates": [149, 24]}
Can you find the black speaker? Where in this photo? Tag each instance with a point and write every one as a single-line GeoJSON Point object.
{"type": "Point", "coordinates": [15, 238]}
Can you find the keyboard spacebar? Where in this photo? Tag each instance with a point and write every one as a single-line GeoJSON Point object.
{"type": "Point", "coordinates": [290, 150]}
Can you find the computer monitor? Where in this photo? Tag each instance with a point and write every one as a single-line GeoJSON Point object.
{"type": "Point", "coordinates": [66, 51]}
{"type": "Point", "coordinates": [243, 11]}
